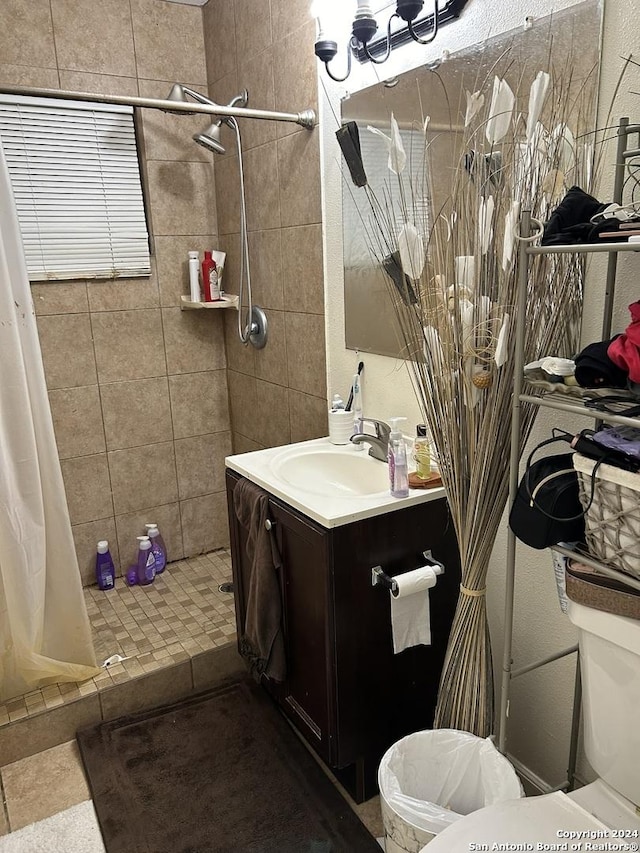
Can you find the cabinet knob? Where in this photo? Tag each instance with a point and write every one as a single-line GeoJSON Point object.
{"type": "Point", "coordinates": [269, 525]}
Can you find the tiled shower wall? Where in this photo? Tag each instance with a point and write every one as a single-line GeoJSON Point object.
{"type": "Point", "coordinates": [278, 394]}
{"type": "Point", "coordinates": [138, 388]}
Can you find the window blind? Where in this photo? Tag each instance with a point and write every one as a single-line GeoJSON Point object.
{"type": "Point", "coordinates": [75, 176]}
{"type": "Point", "coordinates": [359, 228]}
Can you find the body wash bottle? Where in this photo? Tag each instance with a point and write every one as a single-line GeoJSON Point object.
{"type": "Point", "coordinates": [105, 570]}
{"type": "Point", "coordinates": [397, 456]}
{"type": "Point", "coordinates": [157, 546]}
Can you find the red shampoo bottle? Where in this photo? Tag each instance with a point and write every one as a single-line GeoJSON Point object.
{"type": "Point", "coordinates": [210, 278]}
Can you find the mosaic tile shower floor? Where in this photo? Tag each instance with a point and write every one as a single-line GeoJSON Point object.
{"type": "Point", "coordinates": [179, 615]}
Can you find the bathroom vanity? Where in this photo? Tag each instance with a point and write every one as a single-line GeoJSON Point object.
{"type": "Point", "coordinates": [346, 692]}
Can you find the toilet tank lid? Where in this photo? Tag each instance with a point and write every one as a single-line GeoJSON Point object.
{"type": "Point", "coordinates": [620, 630]}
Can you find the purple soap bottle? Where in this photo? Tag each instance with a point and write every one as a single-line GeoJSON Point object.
{"type": "Point", "coordinates": [146, 561]}
{"type": "Point", "coordinates": [157, 546]}
{"type": "Point", "coordinates": [105, 570]}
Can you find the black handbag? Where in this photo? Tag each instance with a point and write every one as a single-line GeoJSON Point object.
{"type": "Point", "coordinates": [547, 508]}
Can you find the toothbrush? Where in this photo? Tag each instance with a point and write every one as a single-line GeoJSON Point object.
{"type": "Point", "coordinates": [350, 400]}
{"type": "Point", "coordinates": [358, 426]}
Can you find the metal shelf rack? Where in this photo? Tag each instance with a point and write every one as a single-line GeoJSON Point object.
{"type": "Point", "coordinates": [551, 401]}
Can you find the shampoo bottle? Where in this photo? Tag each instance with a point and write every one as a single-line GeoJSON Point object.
{"type": "Point", "coordinates": [208, 268]}
{"type": "Point", "coordinates": [146, 561]}
{"type": "Point", "coordinates": [157, 546]}
{"type": "Point", "coordinates": [397, 456]}
{"type": "Point", "coordinates": [105, 570]}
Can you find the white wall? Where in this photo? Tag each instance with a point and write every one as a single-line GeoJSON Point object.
{"type": "Point", "coordinates": [541, 701]}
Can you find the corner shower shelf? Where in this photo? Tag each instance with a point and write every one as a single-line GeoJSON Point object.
{"type": "Point", "coordinates": [229, 300]}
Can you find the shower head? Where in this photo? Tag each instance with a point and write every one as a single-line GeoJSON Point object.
{"type": "Point", "coordinates": [210, 138]}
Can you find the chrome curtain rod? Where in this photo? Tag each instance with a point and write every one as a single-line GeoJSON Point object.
{"type": "Point", "coordinates": [306, 118]}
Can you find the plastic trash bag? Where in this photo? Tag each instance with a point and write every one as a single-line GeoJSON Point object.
{"type": "Point", "coordinates": [433, 778]}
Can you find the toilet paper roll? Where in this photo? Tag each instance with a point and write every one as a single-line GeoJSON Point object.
{"type": "Point", "coordinates": [410, 614]}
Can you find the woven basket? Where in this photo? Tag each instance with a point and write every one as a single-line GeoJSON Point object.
{"type": "Point", "coordinates": [613, 519]}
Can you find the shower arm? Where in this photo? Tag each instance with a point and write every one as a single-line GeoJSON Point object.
{"type": "Point", "coordinates": [306, 118]}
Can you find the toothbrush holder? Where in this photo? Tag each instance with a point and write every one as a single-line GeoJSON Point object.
{"type": "Point", "coordinates": [340, 426]}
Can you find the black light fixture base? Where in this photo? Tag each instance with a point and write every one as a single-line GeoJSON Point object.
{"type": "Point", "coordinates": [409, 10]}
{"type": "Point", "coordinates": [325, 50]}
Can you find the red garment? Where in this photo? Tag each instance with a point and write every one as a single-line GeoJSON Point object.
{"type": "Point", "coordinates": [624, 351]}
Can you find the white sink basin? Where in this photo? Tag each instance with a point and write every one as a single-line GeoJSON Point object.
{"type": "Point", "coordinates": [332, 471]}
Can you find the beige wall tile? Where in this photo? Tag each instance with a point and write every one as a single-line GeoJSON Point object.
{"type": "Point", "coordinates": [143, 477]}
{"type": "Point", "coordinates": [86, 537]}
{"type": "Point", "coordinates": [60, 297]}
{"type": "Point", "coordinates": [182, 198]}
{"type": "Point", "coordinates": [253, 27]}
{"type": "Point", "coordinates": [42, 785]}
{"type": "Point", "coordinates": [272, 420]}
{"type": "Point", "coordinates": [67, 350]}
{"type": "Point", "coordinates": [230, 245]}
{"type": "Point", "coordinates": [271, 361]}
{"type": "Point", "coordinates": [50, 728]}
{"type": "Point", "coordinates": [261, 187]}
{"type": "Point", "coordinates": [306, 353]}
{"type": "Point", "coordinates": [4, 823]}
{"type": "Point", "coordinates": [128, 345]}
{"type": "Point", "coordinates": [132, 524]}
{"type": "Point", "coordinates": [265, 258]}
{"type": "Point", "coordinates": [239, 356]}
{"type": "Point", "coordinates": [295, 82]}
{"type": "Point", "coordinates": [156, 688]}
{"type": "Point", "coordinates": [308, 416]}
{"type": "Point", "coordinates": [136, 412]}
{"type": "Point", "coordinates": [205, 524]}
{"type": "Point", "coordinates": [77, 421]}
{"type": "Point", "coordinates": [299, 170]}
{"type": "Point", "coordinates": [242, 400]}
{"type": "Point", "coordinates": [302, 272]}
{"type": "Point", "coordinates": [123, 294]}
{"type": "Point", "coordinates": [200, 464]}
{"type": "Point", "coordinates": [169, 41]}
{"type": "Point", "coordinates": [26, 35]}
{"type": "Point", "coordinates": [24, 75]}
{"type": "Point", "coordinates": [94, 37]}
{"type": "Point", "coordinates": [199, 403]}
{"type": "Point", "coordinates": [242, 444]}
{"type": "Point", "coordinates": [288, 15]}
{"type": "Point", "coordinates": [86, 483]}
{"type": "Point", "coordinates": [217, 666]}
{"type": "Point", "coordinates": [172, 264]}
{"type": "Point", "coordinates": [255, 74]}
{"type": "Point", "coordinates": [194, 340]}
{"type": "Point", "coordinates": [168, 136]}
{"type": "Point", "coordinates": [219, 38]}
{"type": "Point", "coordinates": [101, 84]}
{"type": "Point", "coordinates": [228, 194]}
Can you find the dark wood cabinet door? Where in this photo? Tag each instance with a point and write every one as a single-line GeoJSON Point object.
{"type": "Point", "coordinates": [307, 694]}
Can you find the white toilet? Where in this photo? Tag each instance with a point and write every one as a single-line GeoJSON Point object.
{"type": "Point", "coordinates": [605, 810]}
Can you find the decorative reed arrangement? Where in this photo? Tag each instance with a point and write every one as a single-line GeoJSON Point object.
{"type": "Point", "coordinates": [523, 144]}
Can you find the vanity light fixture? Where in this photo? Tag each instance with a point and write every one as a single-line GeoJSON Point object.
{"type": "Point", "coordinates": [403, 26]}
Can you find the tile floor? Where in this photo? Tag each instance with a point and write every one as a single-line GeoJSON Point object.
{"type": "Point", "coordinates": [178, 618]}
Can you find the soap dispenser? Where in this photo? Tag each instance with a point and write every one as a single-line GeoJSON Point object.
{"type": "Point", "coordinates": [397, 456]}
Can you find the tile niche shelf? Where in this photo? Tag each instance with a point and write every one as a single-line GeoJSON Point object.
{"type": "Point", "coordinates": [229, 300]}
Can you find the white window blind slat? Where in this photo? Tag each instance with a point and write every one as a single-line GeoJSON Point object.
{"type": "Point", "coordinates": [76, 181]}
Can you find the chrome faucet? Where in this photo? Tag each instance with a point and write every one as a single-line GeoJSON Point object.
{"type": "Point", "coordinates": [379, 442]}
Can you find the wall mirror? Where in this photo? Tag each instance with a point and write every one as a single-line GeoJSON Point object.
{"type": "Point", "coordinates": [570, 37]}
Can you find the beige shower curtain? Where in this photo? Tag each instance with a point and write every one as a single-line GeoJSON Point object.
{"type": "Point", "coordinates": [45, 635]}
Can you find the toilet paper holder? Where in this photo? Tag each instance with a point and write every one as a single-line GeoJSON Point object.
{"type": "Point", "coordinates": [380, 578]}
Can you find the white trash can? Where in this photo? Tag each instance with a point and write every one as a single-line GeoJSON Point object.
{"type": "Point", "coordinates": [432, 778]}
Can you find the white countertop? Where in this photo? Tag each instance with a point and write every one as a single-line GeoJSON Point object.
{"type": "Point", "coordinates": [260, 466]}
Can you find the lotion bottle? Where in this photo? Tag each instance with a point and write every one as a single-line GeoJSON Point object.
{"type": "Point", "coordinates": [397, 456]}
{"type": "Point", "coordinates": [422, 452]}
{"type": "Point", "coordinates": [194, 283]}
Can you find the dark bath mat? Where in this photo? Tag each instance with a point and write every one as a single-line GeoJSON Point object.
{"type": "Point", "coordinates": [220, 772]}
